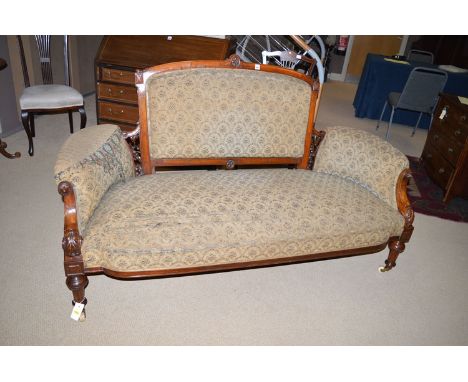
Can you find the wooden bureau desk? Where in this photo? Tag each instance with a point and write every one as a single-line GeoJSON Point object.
{"type": "Point", "coordinates": [445, 154]}
{"type": "Point", "coordinates": [120, 56]}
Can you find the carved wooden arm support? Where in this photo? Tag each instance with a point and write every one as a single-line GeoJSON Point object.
{"type": "Point", "coordinates": [317, 137]}
{"type": "Point", "coordinates": [71, 244]}
{"type": "Point", "coordinates": [404, 204]}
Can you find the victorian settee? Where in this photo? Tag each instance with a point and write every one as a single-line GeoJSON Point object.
{"type": "Point", "coordinates": [251, 182]}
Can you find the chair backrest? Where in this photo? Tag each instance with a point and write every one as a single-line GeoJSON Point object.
{"type": "Point", "coordinates": [421, 56]}
{"type": "Point", "coordinates": [285, 58]}
{"type": "Point", "coordinates": [289, 59]}
{"type": "Point", "coordinates": [422, 89]}
{"type": "Point", "coordinates": [43, 43]}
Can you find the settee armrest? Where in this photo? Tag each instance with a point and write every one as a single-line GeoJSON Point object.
{"type": "Point", "coordinates": [92, 160]}
{"type": "Point", "coordinates": [364, 158]}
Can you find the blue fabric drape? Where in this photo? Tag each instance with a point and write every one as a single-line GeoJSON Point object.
{"type": "Point", "coordinates": [380, 77]}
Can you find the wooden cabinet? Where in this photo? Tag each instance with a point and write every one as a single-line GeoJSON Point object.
{"type": "Point", "coordinates": [120, 56]}
{"type": "Point", "coordinates": [445, 154]}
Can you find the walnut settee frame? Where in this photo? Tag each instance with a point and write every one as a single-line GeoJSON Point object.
{"type": "Point", "coordinates": [75, 270]}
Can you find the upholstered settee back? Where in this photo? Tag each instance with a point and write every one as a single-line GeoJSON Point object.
{"type": "Point", "coordinates": [219, 112]}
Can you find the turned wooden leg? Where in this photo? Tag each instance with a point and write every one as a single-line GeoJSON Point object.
{"type": "Point", "coordinates": [25, 119]}
{"type": "Point", "coordinates": [70, 121]}
{"type": "Point", "coordinates": [83, 117]}
{"type": "Point", "coordinates": [396, 247]}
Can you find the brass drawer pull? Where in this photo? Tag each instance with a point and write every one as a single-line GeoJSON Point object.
{"type": "Point", "coordinates": [429, 156]}
{"type": "Point", "coordinates": [109, 90]}
{"type": "Point", "coordinates": [110, 111]}
{"type": "Point", "coordinates": [463, 118]}
{"type": "Point", "coordinates": [458, 132]}
{"type": "Point", "coordinates": [436, 136]}
{"type": "Point", "coordinates": [450, 150]}
{"type": "Point", "coordinates": [441, 170]}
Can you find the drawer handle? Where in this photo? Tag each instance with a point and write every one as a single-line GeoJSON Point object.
{"type": "Point", "coordinates": [463, 118]}
{"type": "Point", "coordinates": [110, 111]}
{"type": "Point", "coordinates": [457, 132]}
{"type": "Point", "coordinates": [441, 170]}
{"type": "Point", "coordinates": [429, 156]}
{"type": "Point", "coordinates": [109, 90]}
{"type": "Point", "coordinates": [450, 150]}
{"type": "Point", "coordinates": [436, 136]}
{"type": "Point", "coordinates": [121, 74]}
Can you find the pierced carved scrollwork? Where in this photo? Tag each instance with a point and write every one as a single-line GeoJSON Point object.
{"type": "Point", "coordinates": [235, 60]}
{"type": "Point", "coordinates": [317, 137]}
{"type": "Point", "coordinates": [133, 139]}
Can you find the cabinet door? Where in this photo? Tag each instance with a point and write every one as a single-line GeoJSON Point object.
{"type": "Point", "coordinates": [362, 45]}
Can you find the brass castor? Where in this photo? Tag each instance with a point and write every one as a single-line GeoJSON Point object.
{"type": "Point", "coordinates": [387, 267]}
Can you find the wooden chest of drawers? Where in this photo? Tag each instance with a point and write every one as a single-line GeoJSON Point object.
{"type": "Point", "coordinates": [120, 56]}
{"type": "Point", "coordinates": [445, 154]}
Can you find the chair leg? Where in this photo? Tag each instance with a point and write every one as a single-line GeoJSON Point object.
{"type": "Point", "coordinates": [25, 119]}
{"type": "Point", "coordinates": [381, 115]}
{"type": "Point", "coordinates": [70, 120]}
{"type": "Point", "coordinates": [83, 117]}
{"type": "Point", "coordinates": [31, 124]}
{"type": "Point", "coordinates": [387, 135]}
{"type": "Point", "coordinates": [417, 124]}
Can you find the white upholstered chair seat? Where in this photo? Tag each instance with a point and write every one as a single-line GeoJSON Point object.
{"type": "Point", "coordinates": [50, 97]}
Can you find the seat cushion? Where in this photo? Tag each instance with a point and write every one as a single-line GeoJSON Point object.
{"type": "Point", "coordinates": [196, 218]}
{"type": "Point", "coordinates": [50, 97]}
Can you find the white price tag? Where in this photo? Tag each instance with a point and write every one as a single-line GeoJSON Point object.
{"type": "Point", "coordinates": [298, 56]}
{"type": "Point", "coordinates": [257, 66]}
{"type": "Point", "coordinates": [76, 312]}
{"type": "Point", "coordinates": [443, 114]}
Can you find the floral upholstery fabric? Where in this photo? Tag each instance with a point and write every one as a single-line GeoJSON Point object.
{"type": "Point", "coordinates": [362, 157]}
{"type": "Point", "coordinates": [92, 160]}
{"type": "Point", "coordinates": [196, 218]}
{"type": "Point", "coordinates": [203, 113]}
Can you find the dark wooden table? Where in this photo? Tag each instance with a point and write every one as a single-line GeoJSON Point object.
{"type": "Point", "coordinates": [3, 145]}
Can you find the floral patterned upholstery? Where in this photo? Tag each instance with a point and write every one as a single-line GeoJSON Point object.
{"type": "Point", "coordinates": [203, 113]}
{"type": "Point", "coordinates": [92, 160]}
{"type": "Point", "coordinates": [194, 218]}
{"type": "Point", "coordinates": [362, 157]}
